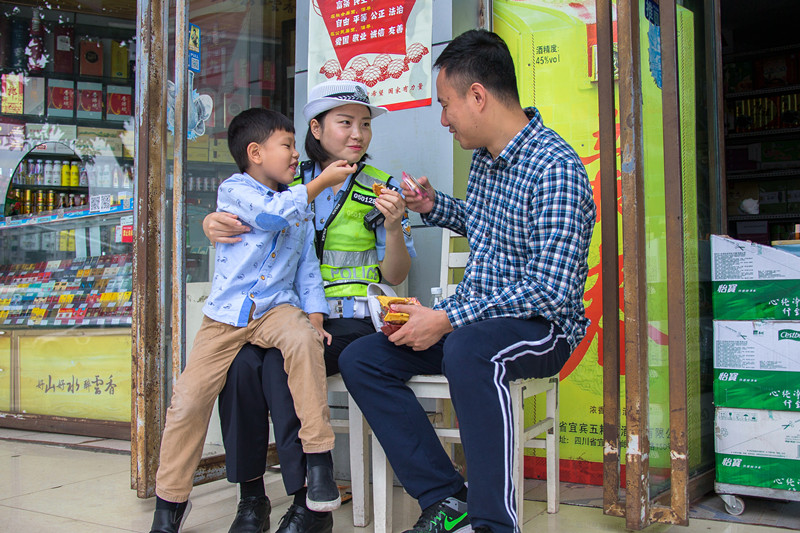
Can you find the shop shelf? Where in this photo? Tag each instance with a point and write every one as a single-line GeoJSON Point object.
{"type": "Point", "coordinates": [779, 216]}
{"type": "Point", "coordinates": [763, 92]}
{"type": "Point", "coordinates": [763, 174]}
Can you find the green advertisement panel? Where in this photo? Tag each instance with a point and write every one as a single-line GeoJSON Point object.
{"type": "Point", "coordinates": [554, 46]}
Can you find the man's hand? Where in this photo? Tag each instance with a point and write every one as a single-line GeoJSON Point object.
{"type": "Point", "coordinates": [223, 227]}
{"type": "Point", "coordinates": [424, 327]}
{"type": "Point", "coordinates": [415, 200]}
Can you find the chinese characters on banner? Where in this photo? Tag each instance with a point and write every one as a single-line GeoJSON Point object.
{"type": "Point", "coordinates": [384, 44]}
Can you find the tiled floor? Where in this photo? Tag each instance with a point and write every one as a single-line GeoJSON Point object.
{"type": "Point", "coordinates": [79, 484]}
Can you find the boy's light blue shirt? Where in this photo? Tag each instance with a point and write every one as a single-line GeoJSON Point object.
{"type": "Point", "coordinates": [275, 262]}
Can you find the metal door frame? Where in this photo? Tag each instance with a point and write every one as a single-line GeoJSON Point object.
{"type": "Point", "coordinates": [637, 506]}
{"type": "Point", "coordinates": [154, 278]}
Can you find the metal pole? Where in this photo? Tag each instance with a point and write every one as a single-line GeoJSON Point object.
{"type": "Point", "coordinates": [637, 482]}
{"type": "Point", "coordinates": [148, 338]}
{"type": "Point", "coordinates": [609, 257]}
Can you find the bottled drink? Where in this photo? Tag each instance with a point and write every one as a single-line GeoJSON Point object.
{"type": "Point", "coordinates": [65, 175]}
{"type": "Point", "coordinates": [83, 176]}
{"type": "Point", "coordinates": [436, 295]}
{"type": "Point", "coordinates": [128, 177]}
{"type": "Point", "coordinates": [105, 180]}
{"type": "Point", "coordinates": [48, 174]}
{"type": "Point", "coordinates": [55, 178]}
{"type": "Point", "coordinates": [39, 177]}
{"type": "Point", "coordinates": [74, 175]}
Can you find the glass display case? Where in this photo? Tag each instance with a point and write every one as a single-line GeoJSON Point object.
{"type": "Point", "coordinates": [66, 227]}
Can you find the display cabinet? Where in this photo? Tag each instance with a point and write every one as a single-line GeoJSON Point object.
{"type": "Point", "coordinates": [762, 137]}
{"type": "Point", "coordinates": [66, 227]}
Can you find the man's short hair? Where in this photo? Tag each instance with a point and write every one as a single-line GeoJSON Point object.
{"type": "Point", "coordinates": [480, 56]}
{"type": "Point", "coordinates": [253, 125]}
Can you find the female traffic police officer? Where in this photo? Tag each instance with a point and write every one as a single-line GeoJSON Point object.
{"type": "Point", "coordinates": [357, 245]}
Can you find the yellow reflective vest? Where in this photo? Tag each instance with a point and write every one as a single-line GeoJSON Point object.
{"type": "Point", "coordinates": [345, 247]}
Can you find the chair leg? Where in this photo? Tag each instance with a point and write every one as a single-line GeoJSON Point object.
{"type": "Point", "coordinates": [552, 445]}
{"type": "Point", "coordinates": [518, 469]}
{"type": "Point", "coordinates": [359, 464]}
{"type": "Point", "coordinates": [382, 481]}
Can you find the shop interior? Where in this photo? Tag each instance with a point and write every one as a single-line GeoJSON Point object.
{"type": "Point", "coordinates": [761, 88]}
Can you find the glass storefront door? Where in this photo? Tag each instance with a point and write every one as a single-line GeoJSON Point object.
{"type": "Point", "coordinates": [230, 56]}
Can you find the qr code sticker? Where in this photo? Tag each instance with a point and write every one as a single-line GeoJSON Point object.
{"type": "Point", "coordinates": [100, 203]}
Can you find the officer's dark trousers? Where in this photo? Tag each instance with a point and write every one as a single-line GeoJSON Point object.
{"type": "Point", "coordinates": [257, 386]}
{"type": "Point", "coordinates": [478, 360]}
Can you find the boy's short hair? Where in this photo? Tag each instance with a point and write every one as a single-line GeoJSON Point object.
{"type": "Point", "coordinates": [253, 125]}
{"type": "Point", "coordinates": [480, 56]}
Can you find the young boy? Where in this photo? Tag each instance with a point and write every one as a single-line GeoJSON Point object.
{"type": "Point", "coordinates": [267, 290]}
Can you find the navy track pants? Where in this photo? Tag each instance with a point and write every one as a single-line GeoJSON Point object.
{"type": "Point", "coordinates": [478, 360]}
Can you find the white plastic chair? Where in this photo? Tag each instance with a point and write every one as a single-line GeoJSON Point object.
{"type": "Point", "coordinates": [356, 427]}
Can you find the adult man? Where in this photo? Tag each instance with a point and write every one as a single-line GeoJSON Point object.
{"type": "Point", "coordinates": [528, 217]}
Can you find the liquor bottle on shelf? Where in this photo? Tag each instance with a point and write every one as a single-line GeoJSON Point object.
{"type": "Point", "coordinates": [36, 44]}
{"type": "Point", "coordinates": [63, 49]}
{"type": "Point", "coordinates": [19, 41]}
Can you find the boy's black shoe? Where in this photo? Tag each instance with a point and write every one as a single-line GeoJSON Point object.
{"type": "Point", "coordinates": [300, 520]}
{"type": "Point", "coordinates": [252, 515]}
{"type": "Point", "coordinates": [170, 520]}
{"type": "Point", "coordinates": [323, 494]}
{"type": "Point", "coordinates": [447, 516]}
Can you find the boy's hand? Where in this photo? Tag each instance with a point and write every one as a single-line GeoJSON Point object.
{"type": "Point", "coordinates": [416, 201]}
{"type": "Point", "coordinates": [223, 227]}
{"type": "Point", "coordinates": [316, 321]}
{"type": "Point", "coordinates": [336, 173]}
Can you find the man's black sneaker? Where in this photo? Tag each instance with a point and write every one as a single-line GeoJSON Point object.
{"type": "Point", "coordinates": [447, 516]}
{"type": "Point", "coordinates": [481, 529]}
{"type": "Point", "coordinates": [300, 520]}
{"type": "Point", "coordinates": [170, 520]}
{"type": "Point", "coordinates": [323, 494]}
{"type": "Point", "coordinates": [252, 516]}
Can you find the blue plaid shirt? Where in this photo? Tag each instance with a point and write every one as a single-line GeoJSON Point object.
{"type": "Point", "coordinates": [528, 217]}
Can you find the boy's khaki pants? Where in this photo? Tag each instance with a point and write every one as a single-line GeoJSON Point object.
{"type": "Point", "coordinates": [284, 327]}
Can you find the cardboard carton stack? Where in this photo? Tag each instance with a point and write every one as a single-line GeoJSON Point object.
{"type": "Point", "coordinates": [756, 299]}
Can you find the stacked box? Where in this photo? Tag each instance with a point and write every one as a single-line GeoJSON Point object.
{"type": "Point", "coordinates": [758, 448]}
{"type": "Point", "coordinates": [757, 364]}
{"type": "Point", "coordinates": [753, 282]}
{"type": "Point", "coordinates": [756, 301]}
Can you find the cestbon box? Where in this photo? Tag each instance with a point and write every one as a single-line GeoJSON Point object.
{"type": "Point", "coordinates": [753, 282]}
{"type": "Point", "coordinates": [757, 364]}
{"type": "Point", "coordinates": [757, 448]}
